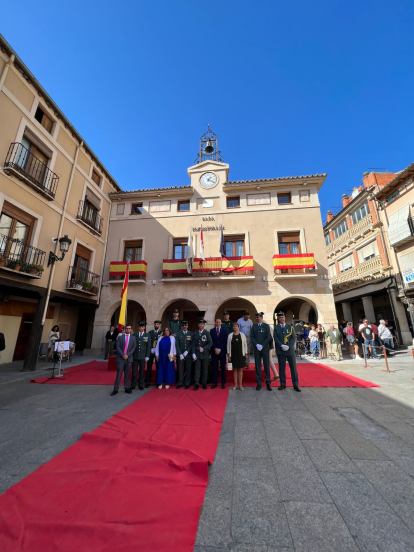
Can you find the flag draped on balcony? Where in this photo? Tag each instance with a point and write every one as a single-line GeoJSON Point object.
{"type": "Point", "coordinates": [189, 256]}
{"type": "Point", "coordinates": [124, 293]}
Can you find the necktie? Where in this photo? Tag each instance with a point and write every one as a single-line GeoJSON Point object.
{"type": "Point", "coordinates": [218, 332]}
{"type": "Point", "coordinates": [126, 344]}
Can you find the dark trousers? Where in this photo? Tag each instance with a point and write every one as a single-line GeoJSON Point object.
{"type": "Point", "coordinates": [149, 369]}
{"type": "Point", "coordinates": [201, 368]}
{"type": "Point", "coordinates": [135, 364]}
{"type": "Point", "coordinates": [184, 366]}
{"type": "Point", "coordinates": [293, 370]}
{"type": "Point", "coordinates": [124, 367]}
{"type": "Point", "coordinates": [215, 361]}
{"type": "Point", "coordinates": [258, 356]}
{"type": "Point", "coordinates": [109, 348]}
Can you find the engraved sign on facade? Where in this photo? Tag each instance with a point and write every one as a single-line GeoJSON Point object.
{"type": "Point", "coordinates": [208, 228]}
{"type": "Point", "coordinates": [157, 206]}
{"type": "Point", "coordinates": [208, 219]}
{"type": "Point", "coordinates": [258, 199]}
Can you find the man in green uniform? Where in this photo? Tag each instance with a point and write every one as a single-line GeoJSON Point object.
{"type": "Point", "coordinates": [226, 323]}
{"type": "Point", "coordinates": [260, 337]}
{"type": "Point", "coordinates": [285, 338]}
{"type": "Point", "coordinates": [154, 335]}
{"type": "Point", "coordinates": [175, 323]}
{"type": "Point", "coordinates": [184, 344]}
{"type": "Point", "coordinates": [202, 344]}
{"type": "Point", "coordinates": [141, 355]}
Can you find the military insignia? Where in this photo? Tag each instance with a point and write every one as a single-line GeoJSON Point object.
{"type": "Point", "coordinates": [203, 338]}
{"type": "Point", "coordinates": [145, 338]}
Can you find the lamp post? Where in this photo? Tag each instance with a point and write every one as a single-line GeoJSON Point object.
{"type": "Point", "coordinates": [33, 344]}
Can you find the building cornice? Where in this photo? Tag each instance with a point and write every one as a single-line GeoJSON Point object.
{"type": "Point", "coordinates": [153, 193]}
{"type": "Point", "coordinates": [272, 183]}
{"type": "Point", "coordinates": [395, 183]}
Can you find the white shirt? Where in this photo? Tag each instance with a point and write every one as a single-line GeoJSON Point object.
{"type": "Point", "coordinates": [245, 326]}
{"type": "Point", "coordinates": [384, 332]}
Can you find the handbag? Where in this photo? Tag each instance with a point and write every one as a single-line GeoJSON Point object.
{"type": "Point", "coordinates": [229, 366]}
{"type": "Point", "coordinates": [171, 357]}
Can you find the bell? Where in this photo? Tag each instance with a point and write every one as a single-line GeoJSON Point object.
{"type": "Point", "coordinates": [209, 148]}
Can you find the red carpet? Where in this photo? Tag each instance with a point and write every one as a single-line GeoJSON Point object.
{"type": "Point", "coordinates": [310, 375]}
{"type": "Point", "coordinates": [136, 483]}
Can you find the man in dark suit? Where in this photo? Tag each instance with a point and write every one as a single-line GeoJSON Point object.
{"type": "Point", "coordinates": [218, 353]}
{"type": "Point", "coordinates": [154, 336]}
{"type": "Point", "coordinates": [202, 343]}
{"type": "Point", "coordinates": [285, 338]}
{"type": "Point", "coordinates": [184, 344]}
{"type": "Point", "coordinates": [141, 355]}
{"type": "Point", "coordinates": [125, 348]}
{"type": "Point", "coordinates": [110, 340]}
{"type": "Point", "coordinates": [260, 337]}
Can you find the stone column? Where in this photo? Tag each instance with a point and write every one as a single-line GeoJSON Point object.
{"type": "Point", "coordinates": [399, 308]}
{"type": "Point", "coordinates": [346, 309]}
{"type": "Point", "coordinates": [368, 308]}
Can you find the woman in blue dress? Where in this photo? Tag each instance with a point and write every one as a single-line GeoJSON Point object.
{"type": "Point", "coordinates": [165, 355]}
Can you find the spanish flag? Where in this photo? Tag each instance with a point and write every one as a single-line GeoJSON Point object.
{"type": "Point", "coordinates": [124, 293]}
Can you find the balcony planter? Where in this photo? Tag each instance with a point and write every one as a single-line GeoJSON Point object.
{"type": "Point", "coordinates": [14, 265]}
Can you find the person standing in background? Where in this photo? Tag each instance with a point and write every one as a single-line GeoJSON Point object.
{"type": "Point", "coordinates": [375, 330]}
{"type": "Point", "coordinates": [335, 337]}
{"type": "Point", "coordinates": [226, 323]}
{"type": "Point", "coordinates": [110, 339]}
{"type": "Point", "coordinates": [175, 323]}
{"type": "Point", "coordinates": [54, 335]}
{"type": "Point", "coordinates": [245, 327]}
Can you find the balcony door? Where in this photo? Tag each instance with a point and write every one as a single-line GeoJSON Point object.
{"type": "Point", "coordinates": [133, 251]}
{"type": "Point", "coordinates": [81, 264]}
{"type": "Point", "coordinates": [234, 246]}
{"type": "Point", "coordinates": [16, 228]}
{"type": "Point", "coordinates": [180, 249]}
{"type": "Point", "coordinates": [289, 244]}
{"type": "Point", "coordinates": [32, 160]}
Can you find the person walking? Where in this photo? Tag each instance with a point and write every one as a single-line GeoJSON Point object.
{"type": "Point", "coordinates": [352, 341]}
{"type": "Point", "coordinates": [245, 326]}
{"type": "Point", "coordinates": [237, 354]}
{"type": "Point", "coordinates": [125, 348]}
{"type": "Point", "coordinates": [184, 344]}
{"type": "Point", "coordinates": [110, 339]}
{"type": "Point", "coordinates": [141, 355]}
{"type": "Point", "coordinates": [369, 342]}
{"type": "Point", "coordinates": [218, 353]}
{"type": "Point", "coordinates": [314, 341]}
{"type": "Point", "coordinates": [335, 337]}
{"type": "Point", "coordinates": [271, 363]}
{"type": "Point", "coordinates": [165, 354]}
{"type": "Point", "coordinates": [226, 323]}
{"type": "Point", "coordinates": [385, 336]}
{"type": "Point", "coordinates": [154, 335]}
{"type": "Point", "coordinates": [285, 339]}
{"type": "Point", "coordinates": [202, 343]}
{"type": "Point", "coordinates": [260, 337]}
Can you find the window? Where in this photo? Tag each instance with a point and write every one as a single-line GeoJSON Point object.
{"type": "Point", "coordinates": [180, 248]}
{"type": "Point", "coordinates": [327, 239]}
{"type": "Point", "coordinates": [289, 243]}
{"type": "Point", "coordinates": [183, 206]}
{"type": "Point", "coordinates": [15, 225]}
{"type": "Point", "coordinates": [43, 119]}
{"type": "Point", "coordinates": [368, 252]}
{"type": "Point", "coordinates": [32, 160]}
{"type": "Point", "coordinates": [133, 251]}
{"type": "Point", "coordinates": [346, 263]}
{"type": "Point", "coordinates": [89, 213]}
{"type": "Point", "coordinates": [136, 209]}
{"type": "Point", "coordinates": [360, 213]}
{"type": "Point", "coordinates": [340, 229]}
{"type": "Point", "coordinates": [304, 195]}
{"type": "Point", "coordinates": [96, 177]}
{"type": "Point", "coordinates": [392, 196]}
{"type": "Point", "coordinates": [120, 208]}
{"type": "Point", "coordinates": [234, 246]}
{"type": "Point", "coordinates": [233, 202]}
{"type": "Point", "coordinates": [81, 264]}
{"type": "Point", "coordinates": [284, 198]}
{"type": "Point", "coordinates": [332, 271]}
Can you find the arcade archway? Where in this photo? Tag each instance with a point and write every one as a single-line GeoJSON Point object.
{"type": "Point", "coordinates": [236, 307]}
{"type": "Point", "coordinates": [298, 308]}
{"type": "Point", "coordinates": [135, 313]}
{"type": "Point", "coordinates": [188, 311]}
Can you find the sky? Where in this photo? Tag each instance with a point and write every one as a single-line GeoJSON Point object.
{"type": "Point", "coordinates": [290, 88]}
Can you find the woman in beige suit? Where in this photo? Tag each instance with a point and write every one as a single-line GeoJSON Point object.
{"type": "Point", "coordinates": [237, 354]}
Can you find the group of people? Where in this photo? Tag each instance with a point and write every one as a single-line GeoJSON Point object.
{"type": "Point", "coordinates": [228, 343]}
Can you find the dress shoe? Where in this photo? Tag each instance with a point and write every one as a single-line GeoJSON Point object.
{"type": "Point", "coordinates": [114, 392]}
{"type": "Point", "coordinates": [269, 387]}
{"type": "Point", "coordinates": [297, 389]}
{"type": "Point", "coordinates": [141, 387]}
{"type": "Point", "coordinates": [204, 386]}
{"type": "Point", "coordinates": [187, 387]}
{"type": "Point", "coordinates": [258, 387]}
{"type": "Point", "coordinates": [223, 387]}
{"type": "Point", "coordinates": [214, 386]}
{"type": "Point", "coordinates": [147, 385]}
{"type": "Point", "coordinates": [196, 386]}
{"type": "Point", "coordinates": [179, 386]}
{"type": "Point", "coordinates": [129, 391]}
{"type": "Point", "coordinates": [281, 387]}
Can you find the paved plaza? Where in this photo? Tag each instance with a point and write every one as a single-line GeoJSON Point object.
{"type": "Point", "coordinates": [323, 470]}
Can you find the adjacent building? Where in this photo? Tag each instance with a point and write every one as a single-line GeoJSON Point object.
{"type": "Point", "coordinates": [51, 185]}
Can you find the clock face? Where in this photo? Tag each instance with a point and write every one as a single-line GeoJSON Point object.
{"type": "Point", "coordinates": [208, 180]}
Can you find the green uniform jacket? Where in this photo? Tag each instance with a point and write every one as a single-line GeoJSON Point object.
{"type": "Point", "coordinates": [143, 348]}
{"type": "Point", "coordinates": [154, 336]}
{"type": "Point", "coordinates": [204, 341]}
{"type": "Point", "coordinates": [279, 335]}
{"type": "Point", "coordinates": [175, 326]}
{"type": "Point", "coordinates": [260, 335]}
{"type": "Point", "coordinates": [330, 335]}
{"type": "Point", "coordinates": [185, 343]}
{"type": "Point", "coordinates": [228, 326]}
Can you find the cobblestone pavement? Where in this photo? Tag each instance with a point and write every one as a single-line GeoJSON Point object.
{"type": "Point", "coordinates": [323, 470]}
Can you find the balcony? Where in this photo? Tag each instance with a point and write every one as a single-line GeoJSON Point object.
{"type": "Point", "coordinates": [364, 272]}
{"type": "Point", "coordinates": [301, 265]}
{"type": "Point", "coordinates": [18, 257]}
{"type": "Point", "coordinates": [82, 280]}
{"type": "Point", "coordinates": [88, 214]}
{"type": "Point", "coordinates": [137, 271]}
{"type": "Point", "coordinates": [358, 230]}
{"type": "Point", "coordinates": [28, 168]}
{"type": "Point", "coordinates": [226, 268]}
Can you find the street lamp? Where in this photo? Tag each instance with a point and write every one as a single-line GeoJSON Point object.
{"type": "Point", "coordinates": [64, 244]}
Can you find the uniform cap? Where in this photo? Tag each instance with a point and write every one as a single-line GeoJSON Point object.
{"type": "Point", "coordinates": [202, 321]}
{"type": "Point", "coordinates": [226, 312]}
{"type": "Point", "coordinates": [184, 322]}
{"type": "Point", "coordinates": [142, 323]}
{"type": "Point", "coordinates": [281, 313]}
{"type": "Point", "coordinates": [259, 313]}
{"type": "Point", "coordinates": [176, 310]}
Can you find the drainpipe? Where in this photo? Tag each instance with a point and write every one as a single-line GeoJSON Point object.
{"type": "Point", "coordinates": [6, 70]}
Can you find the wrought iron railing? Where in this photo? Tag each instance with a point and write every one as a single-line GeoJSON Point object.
{"type": "Point", "coordinates": [35, 171]}
{"type": "Point", "coordinates": [18, 256]}
{"type": "Point", "coordinates": [83, 280]}
{"type": "Point", "coordinates": [88, 214]}
{"type": "Point", "coordinates": [363, 271]}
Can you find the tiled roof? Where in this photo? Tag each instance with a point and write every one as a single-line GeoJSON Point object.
{"type": "Point", "coordinates": [169, 188]}
{"type": "Point", "coordinates": [399, 178]}
{"type": "Point", "coordinates": [273, 179]}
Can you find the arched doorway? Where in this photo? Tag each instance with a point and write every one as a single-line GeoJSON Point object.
{"type": "Point", "coordinates": [236, 307]}
{"type": "Point", "coordinates": [135, 313]}
{"type": "Point", "coordinates": [188, 311]}
{"type": "Point", "coordinates": [297, 309]}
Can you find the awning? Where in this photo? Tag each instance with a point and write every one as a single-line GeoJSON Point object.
{"type": "Point", "coordinates": [399, 228]}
